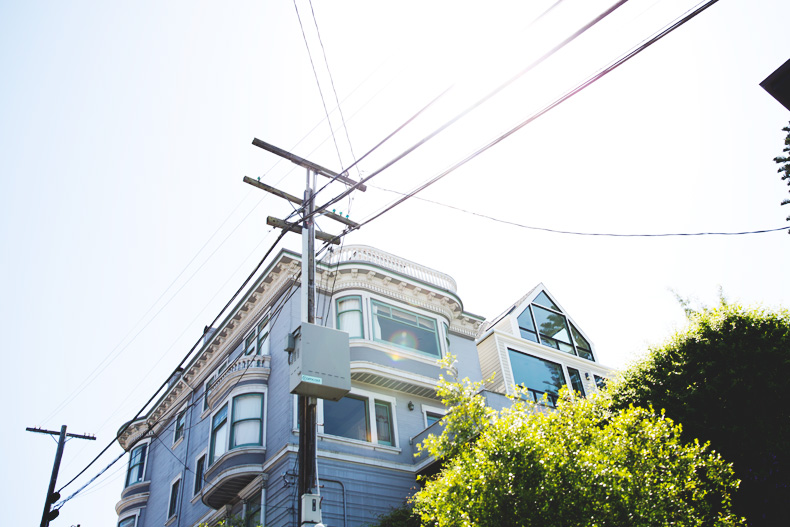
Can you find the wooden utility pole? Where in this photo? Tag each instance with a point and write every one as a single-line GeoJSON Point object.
{"type": "Point", "coordinates": [50, 514]}
{"type": "Point", "coordinates": [306, 483]}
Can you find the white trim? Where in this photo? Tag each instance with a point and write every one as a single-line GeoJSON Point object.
{"type": "Point", "coordinates": [371, 398]}
{"type": "Point", "coordinates": [432, 409]}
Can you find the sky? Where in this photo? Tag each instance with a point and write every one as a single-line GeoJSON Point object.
{"type": "Point", "coordinates": [126, 130]}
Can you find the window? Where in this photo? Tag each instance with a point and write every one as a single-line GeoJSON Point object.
{"type": "Point", "coordinates": [180, 422]}
{"type": "Point", "coordinates": [136, 465]}
{"type": "Point", "coordinates": [431, 418]}
{"type": "Point", "coordinates": [128, 522]}
{"type": "Point", "coordinates": [257, 342]}
{"type": "Point", "coordinates": [405, 329]}
{"type": "Point", "coordinates": [350, 417]}
{"type": "Point", "coordinates": [543, 322]}
{"type": "Point", "coordinates": [247, 421]}
{"type": "Point", "coordinates": [212, 381]}
{"type": "Point", "coordinates": [200, 467]}
{"type": "Point", "coordinates": [219, 434]}
{"type": "Point", "coordinates": [349, 316]}
{"type": "Point", "coordinates": [172, 507]}
{"type": "Point", "coordinates": [576, 381]}
{"type": "Point", "coordinates": [600, 382]}
{"type": "Point", "coordinates": [252, 513]}
{"type": "Point", "coordinates": [540, 377]}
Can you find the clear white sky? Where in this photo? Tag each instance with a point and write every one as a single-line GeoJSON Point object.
{"type": "Point", "coordinates": [125, 131]}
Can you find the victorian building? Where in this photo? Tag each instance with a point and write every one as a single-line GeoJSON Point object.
{"type": "Point", "coordinates": [222, 440]}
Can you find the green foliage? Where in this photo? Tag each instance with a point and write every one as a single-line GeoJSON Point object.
{"type": "Point", "coordinates": [466, 416]}
{"type": "Point", "coordinates": [725, 379]}
{"type": "Point", "coordinates": [785, 162]}
{"type": "Point", "coordinates": [403, 516]}
{"type": "Point", "coordinates": [580, 465]}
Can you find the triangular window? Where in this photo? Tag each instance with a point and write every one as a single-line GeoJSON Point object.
{"type": "Point", "coordinates": [543, 322]}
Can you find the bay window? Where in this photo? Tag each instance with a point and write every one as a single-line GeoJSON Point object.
{"type": "Point", "coordinates": [405, 329]}
{"type": "Point", "coordinates": [247, 420]}
{"type": "Point", "coordinates": [219, 434]}
{"type": "Point", "coordinates": [543, 322]}
{"type": "Point", "coordinates": [136, 465]}
{"type": "Point", "coordinates": [349, 316]}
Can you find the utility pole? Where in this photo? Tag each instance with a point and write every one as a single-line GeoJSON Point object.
{"type": "Point", "coordinates": [50, 514]}
{"type": "Point", "coordinates": [306, 483]}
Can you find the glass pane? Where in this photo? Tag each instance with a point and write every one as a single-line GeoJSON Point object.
{"type": "Point", "coordinates": [173, 499]}
{"type": "Point", "coordinates": [220, 441]}
{"type": "Point", "coordinates": [581, 342]}
{"type": "Point", "coordinates": [347, 417]}
{"type": "Point", "coordinates": [220, 416]}
{"type": "Point", "coordinates": [600, 382]}
{"type": "Point", "coordinates": [538, 375]}
{"type": "Point", "coordinates": [247, 433]}
{"type": "Point", "coordinates": [127, 522]}
{"type": "Point", "coordinates": [525, 320]}
{"type": "Point", "coordinates": [407, 318]}
{"type": "Point", "coordinates": [350, 323]}
{"type": "Point", "coordinates": [263, 344]}
{"type": "Point", "coordinates": [529, 335]}
{"type": "Point", "coordinates": [262, 325]}
{"type": "Point", "coordinates": [551, 325]}
{"type": "Point", "coordinates": [199, 474]}
{"type": "Point", "coordinates": [431, 418]}
{"type": "Point", "coordinates": [383, 423]}
{"type": "Point", "coordinates": [403, 329]}
{"type": "Point", "coordinates": [585, 354]}
{"type": "Point", "coordinates": [544, 300]}
{"type": "Point", "coordinates": [576, 381]}
{"type": "Point", "coordinates": [349, 303]}
{"type": "Point", "coordinates": [247, 407]}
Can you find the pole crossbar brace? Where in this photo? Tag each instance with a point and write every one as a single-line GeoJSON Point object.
{"type": "Point", "coordinates": [315, 167]}
{"type": "Point", "coordinates": [280, 224]}
{"type": "Point", "coordinates": [298, 201]}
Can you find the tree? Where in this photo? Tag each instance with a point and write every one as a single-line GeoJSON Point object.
{"type": "Point", "coordinates": [785, 162]}
{"type": "Point", "coordinates": [725, 379]}
{"type": "Point", "coordinates": [579, 465]}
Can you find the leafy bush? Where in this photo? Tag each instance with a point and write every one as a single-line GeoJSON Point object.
{"type": "Point", "coordinates": [725, 379]}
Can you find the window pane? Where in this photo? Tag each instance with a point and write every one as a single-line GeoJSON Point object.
{"type": "Point", "coordinates": [544, 300]}
{"type": "Point", "coordinates": [552, 325]}
{"type": "Point", "coordinates": [249, 347]}
{"type": "Point", "coordinates": [576, 381]}
{"type": "Point", "coordinates": [219, 441]}
{"type": "Point", "coordinates": [136, 465]}
{"type": "Point", "coordinates": [529, 335]}
{"type": "Point", "coordinates": [127, 522]}
{"type": "Point", "coordinates": [349, 303]}
{"type": "Point", "coordinates": [431, 418]}
{"type": "Point", "coordinates": [247, 433]}
{"type": "Point", "coordinates": [173, 499]}
{"type": "Point", "coordinates": [349, 322]}
{"type": "Point", "coordinates": [538, 375]}
{"type": "Point", "coordinates": [600, 382]}
{"type": "Point", "coordinates": [199, 474]}
{"type": "Point", "coordinates": [384, 423]}
{"type": "Point", "coordinates": [247, 407]}
{"type": "Point", "coordinates": [406, 330]}
{"type": "Point", "coordinates": [525, 320]}
{"type": "Point", "coordinates": [263, 343]}
{"type": "Point", "coordinates": [347, 417]}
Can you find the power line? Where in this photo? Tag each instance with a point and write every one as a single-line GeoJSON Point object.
{"type": "Point", "coordinates": [578, 233]}
{"type": "Point", "coordinates": [320, 92]}
{"type": "Point", "coordinates": [644, 45]}
{"type": "Point", "coordinates": [476, 104]}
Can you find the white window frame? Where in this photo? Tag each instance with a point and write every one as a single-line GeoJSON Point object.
{"type": "Point", "coordinates": [242, 390]}
{"type": "Point", "coordinates": [371, 399]}
{"type": "Point", "coordinates": [147, 443]}
{"type": "Point", "coordinates": [425, 409]}
{"type": "Point", "coordinates": [170, 505]}
{"type": "Point", "coordinates": [182, 412]}
{"type": "Point", "coordinates": [204, 456]}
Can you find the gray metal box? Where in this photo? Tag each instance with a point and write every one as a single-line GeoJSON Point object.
{"type": "Point", "coordinates": [320, 362]}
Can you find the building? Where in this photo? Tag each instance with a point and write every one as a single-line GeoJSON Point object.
{"type": "Point", "coordinates": [222, 440]}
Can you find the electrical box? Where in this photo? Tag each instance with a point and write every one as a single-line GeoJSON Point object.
{"type": "Point", "coordinates": [320, 362]}
{"type": "Point", "coordinates": [311, 509]}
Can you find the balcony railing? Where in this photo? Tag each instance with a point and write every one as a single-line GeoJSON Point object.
{"type": "Point", "coordinates": [363, 253]}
